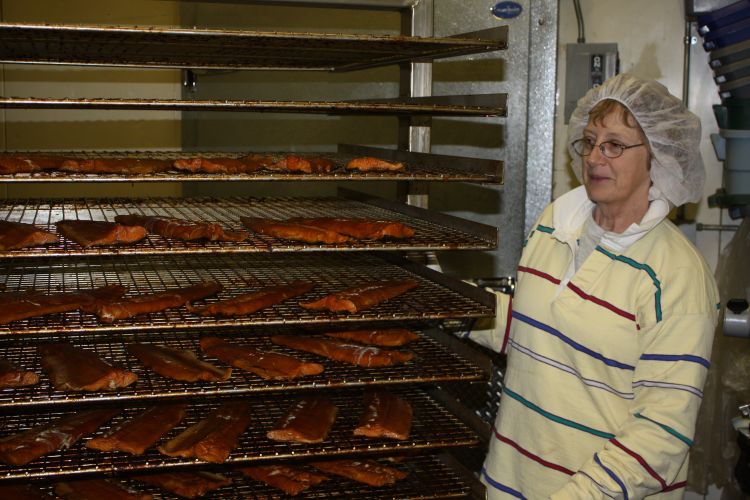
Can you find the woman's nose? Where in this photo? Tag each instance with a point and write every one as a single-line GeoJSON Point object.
{"type": "Point", "coordinates": [596, 154]}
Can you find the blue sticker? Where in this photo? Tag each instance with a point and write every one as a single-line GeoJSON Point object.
{"type": "Point", "coordinates": [507, 10]}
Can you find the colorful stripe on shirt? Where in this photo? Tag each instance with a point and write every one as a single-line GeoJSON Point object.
{"type": "Point", "coordinates": [642, 267]}
{"type": "Point", "coordinates": [532, 456]}
{"type": "Point", "coordinates": [641, 461]}
{"type": "Point", "coordinates": [669, 385]}
{"type": "Point", "coordinates": [500, 486]}
{"type": "Point", "coordinates": [575, 345]}
{"type": "Point", "coordinates": [569, 369]}
{"type": "Point", "coordinates": [613, 476]}
{"type": "Point", "coordinates": [676, 357]}
{"type": "Point", "coordinates": [667, 428]}
{"type": "Point", "coordinates": [556, 418]}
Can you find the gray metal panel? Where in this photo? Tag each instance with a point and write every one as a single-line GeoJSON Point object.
{"type": "Point", "coordinates": [530, 121]}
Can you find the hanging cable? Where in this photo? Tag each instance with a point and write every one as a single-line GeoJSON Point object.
{"type": "Point", "coordinates": [579, 18]}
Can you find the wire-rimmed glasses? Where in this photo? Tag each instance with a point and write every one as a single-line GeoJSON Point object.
{"type": "Point", "coordinates": [610, 149]}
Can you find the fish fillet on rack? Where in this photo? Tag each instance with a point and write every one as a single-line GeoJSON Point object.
{"type": "Point", "coordinates": [15, 235]}
{"type": "Point", "coordinates": [224, 165]}
{"type": "Point", "coordinates": [122, 166]}
{"type": "Point", "coordinates": [293, 231]}
{"type": "Point", "coordinates": [385, 415]}
{"type": "Point", "coordinates": [98, 489]}
{"type": "Point", "coordinates": [364, 471]}
{"type": "Point", "coordinates": [361, 297]}
{"type": "Point", "coordinates": [388, 337]}
{"type": "Point", "coordinates": [181, 229]}
{"type": "Point", "coordinates": [213, 438]}
{"type": "Point", "coordinates": [142, 431]}
{"type": "Point", "coordinates": [29, 163]}
{"type": "Point", "coordinates": [309, 420]}
{"type": "Point", "coordinates": [338, 350]}
{"type": "Point", "coordinates": [268, 365]}
{"type": "Point", "coordinates": [74, 369]}
{"type": "Point", "coordinates": [249, 303]}
{"type": "Point", "coordinates": [61, 433]}
{"type": "Point", "coordinates": [17, 305]}
{"type": "Point", "coordinates": [304, 164]}
{"type": "Point", "coordinates": [177, 364]}
{"type": "Point", "coordinates": [88, 233]}
{"type": "Point", "coordinates": [186, 484]}
{"type": "Point", "coordinates": [362, 229]}
{"type": "Point", "coordinates": [369, 163]}
{"type": "Point", "coordinates": [110, 311]}
{"type": "Point", "coordinates": [11, 376]}
{"type": "Point", "coordinates": [291, 480]}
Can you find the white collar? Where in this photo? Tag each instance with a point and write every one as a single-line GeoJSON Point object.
{"type": "Point", "coordinates": [571, 210]}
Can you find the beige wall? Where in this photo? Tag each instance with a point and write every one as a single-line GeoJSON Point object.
{"type": "Point", "coordinates": [650, 38]}
{"type": "Point", "coordinates": [88, 129]}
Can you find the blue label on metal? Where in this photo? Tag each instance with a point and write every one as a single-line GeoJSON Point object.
{"type": "Point", "coordinates": [507, 10]}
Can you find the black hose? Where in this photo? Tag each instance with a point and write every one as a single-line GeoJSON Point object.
{"type": "Point", "coordinates": [579, 18]}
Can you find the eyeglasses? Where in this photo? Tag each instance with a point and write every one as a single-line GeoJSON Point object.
{"type": "Point", "coordinates": [584, 147]}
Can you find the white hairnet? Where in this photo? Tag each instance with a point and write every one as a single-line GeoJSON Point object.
{"type": "Point", "coordinates": [674, 134]}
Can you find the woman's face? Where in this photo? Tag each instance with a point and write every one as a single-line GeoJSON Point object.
{"type": "Point", "coordinates": [616, 183]}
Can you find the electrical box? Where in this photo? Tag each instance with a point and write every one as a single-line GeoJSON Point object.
{"type": "Point", "coordinates": [588, 65]}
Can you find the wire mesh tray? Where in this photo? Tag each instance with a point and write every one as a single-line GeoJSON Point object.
{"type": "Point", "coordinates": [429, 106]}
{"type": "Point", "coordinates": [429, 478]}
{"type": "Point", "coordinates": [222, 49]}
{"type": "Point", "coordinates": [432, 362]}
{"type": "Point", "coordinates": [428, 167]}
{"type": "Point", "coordinates": [429, 234]}
{"type": "Point", "coordinates": [433, 427]}
{"type": "Point", "coordinates": [436, 296]}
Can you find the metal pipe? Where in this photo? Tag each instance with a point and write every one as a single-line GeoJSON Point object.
{"type": "Point", "coordinates": [716, 227]}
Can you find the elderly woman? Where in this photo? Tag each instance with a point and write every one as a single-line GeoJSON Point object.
{"type": "Point", "coordinates": [609, 332]}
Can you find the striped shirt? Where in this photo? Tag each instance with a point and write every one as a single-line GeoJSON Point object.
{"type": "Point", "coordinates": [605, 372]}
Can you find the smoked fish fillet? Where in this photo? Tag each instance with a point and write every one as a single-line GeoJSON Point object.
{"type": "Point", "coordinates": [74, 369]}
{"type": "Point", "coordinates": [145, 429]}
{"type": "Point", "coordinates": [22, 448]}
{"type": "Point", "coordinates": [389, 337]}
{"type": "Point", "coordinates": [15, 235]}
{"type": "Point", "coordinates": [22, 492]}
{"type": "Point", "coordinates": [28, 304]}
{"type": "Point", "coordinates": [361, 297]}
{"type": "Point", "coordinates": [290, 480]}
{"type": "Point", "coordinates": [89, 233]}
{"type": "Point", "coordinates": [249, 303]}
{"type": "Point", "coordinates": [186, 484]}
{"type": "Point", "coordinates": [293, 231]}
{"type": "Point", "coordinates": [10, 376]}
{"type": "Point", "coordinates": [266, 364]}
{"type": "Point", "coordinates": [244, 165]}
{"type": "Point", "coordinates": [364, 471]}
{"type": "Point", "coordinates": [25, 164]}
{"type": "Point", "coordinates": [124, 166]}
{"type": "Point", "coordinates": [385, 415]}
{"type": "Point", "coordinates": [362, 229]}
{"type": "Point", "coordinates": [110, 311]}
{"type": "Point", "coordinates": [368, 163]}
{"type": "Point", "coordinates": [307, 421]}
{"type": "Point", "coordinates": [181, 229]}
{"type": "Point", "coordinates": [214, 437]}
{"type": "Point", "coordinates": [177, 364]}
{"type": "Point", "coordinates": [98, 489]}
{"type": "Point", "coordinates": [304, 164]}
{"type": "Point", "coordinates": [338, 350]}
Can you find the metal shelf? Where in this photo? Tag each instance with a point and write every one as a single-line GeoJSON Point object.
{"type": "Point", "coordinates": [163, 47]}
{"type": "Point", "coordinates": [436, 297]}
{"type": "Point", "coordinates": [432, 362]}
{"type": "Point", "coordinates": [433, 428]}
{"type": "Point", "coordinates": [433, 231]}
{"type": "Point", "coordinates": [430, 477]}
{"type": "Point", "coordinates": [418, 167]}
{"type": "Point", "coordinates": [480, 105]}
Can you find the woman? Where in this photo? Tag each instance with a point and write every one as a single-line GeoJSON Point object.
{"type": "Point", "coordinates": [609, 332]}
